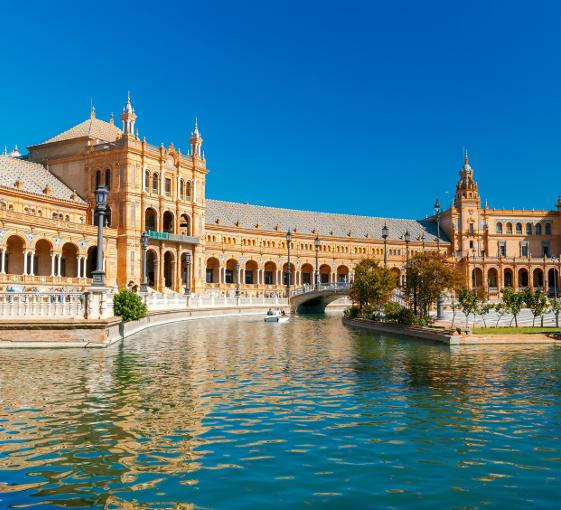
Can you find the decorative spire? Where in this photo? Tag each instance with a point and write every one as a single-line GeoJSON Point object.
{"type": "Point", "coordinates": [5, 153]}
{"type": "Point", "coordinates": [196, 140]}
{"type": "Point", "coordinates": [466, 157]}
{"type": "Point", "coordinates": [196, 131]}
{"type": "Point", "coordinates": [92, 112]}
{"type": "Point", "coordinates": [128, 116]}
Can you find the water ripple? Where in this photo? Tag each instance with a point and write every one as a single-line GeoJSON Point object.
{"type": "Point", "coordinates": [235, 413]}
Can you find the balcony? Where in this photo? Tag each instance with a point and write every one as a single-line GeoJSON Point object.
{"type": "Point", "coordinates": [176, 238]}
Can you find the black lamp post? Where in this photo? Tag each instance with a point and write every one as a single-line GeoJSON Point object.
{"type": "Point", "coordinates": [98, 276]}
{"type": "Point", "coordinates": [317, 245]}
{"type": "Point", "coordinates": [237, 269]}
{"type": "Point", "coordinates": [288, 241]}
{"type": "Point", "coordinates": [144, 244]}
{"type": "Point", "coordinates": [385, 234]}
{"type": "Point", "coordinates": [437, 211]}
{"type": "Point", "coordinates": [407, 238]}
{"type": "Point", "coordinates": [188, 273]}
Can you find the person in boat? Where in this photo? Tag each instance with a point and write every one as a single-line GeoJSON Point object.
{"type": "Point", "coordinates": [269, 311]}
{"type": "Point", "coordinates": [283, 313]}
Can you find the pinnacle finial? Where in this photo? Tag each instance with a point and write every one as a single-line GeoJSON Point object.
{"type": "Point", "coordinates": [466, 156]}
{"type": "Point", "coordinates": [92, 112]}
{"type": "Point", "coordinates": [128, 107]}
{"type": "Point", "coordinates": [196, 131]}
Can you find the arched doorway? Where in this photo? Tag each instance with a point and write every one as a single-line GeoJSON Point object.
{"type": "Point", "coordinates": [212, 270]}
{"type": "Point", "coordinates": [184, 225]}
{"type": "Point", "coordinates": [15, 248]}
{"type": "Point", "coordinates": [553, 281]}
{"type": "Point", "coordinates": [508, 278]}
{"type": "Point", "coordinates": [476, 278]}
{"type": "Point", "coordinates": [397, 275]}
{"type": "Point", "coordinates": [307, 274]}
{"type": "Point", "coordinates": [168, 222]}
{"type": "Point", "coordinates": [342, 274]}
{"type": "Point", "coordinates": [231, 273]}
{"type": "Point", "coordinates": [152, 268]}
{"type": "Point", "coordinates": [285, 274]}
{"type": "Point", "coordinates": [324, 273]}
{"type": "Point", "coordinates": [91, 261]}
{"type": "Point", "coordinates": [250, 277]}
{"type": "Point", "coordinates": [537, 278]}
{"type": "Point", "coordinates": [42, 262]}
{"type": "Point", "coordinates": [493, 279]}
{"type": "Point", "coordinates": [69, 262]}
{"type": "Point", "coordinates": [150, 219]}
{"type": "Point", "coordinates": [270, 273]}
{"type": "Point", "coordinates": [169, 270]}
{"type": "Point", "coordinates": [522, 278]}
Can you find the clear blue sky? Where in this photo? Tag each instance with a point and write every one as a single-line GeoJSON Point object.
{"type": "Point", "coordinates": [358, 107]}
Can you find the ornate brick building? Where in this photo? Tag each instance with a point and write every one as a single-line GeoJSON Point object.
{"type": "Point", "coordinates": [47, 225]}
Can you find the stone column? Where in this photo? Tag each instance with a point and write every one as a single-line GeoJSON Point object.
{"type": "Point", "coordinates": [32, 263]}
{"type": "Point", "coordinates": [25, 252]}
{"type": "Point", "coordinates": [53, 257]}
{"type": "Point", "coordinates": [3, 262]}
{"type": "Point", "coordinates": [59, 269]}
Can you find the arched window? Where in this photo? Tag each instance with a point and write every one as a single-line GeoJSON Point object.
{"type": "Point", "coordinates": [509, 228]}
{"type": "Point", "coordinates": [147, 181]}
{"type": "Point", "coordinates": [98, 178]}
{"type": "Point", "coordinates": [538, 229]}
{"type": "Point", "coordinates": [548, 229]}
{"type": "Point", "coordinates": [108, 179]}
{"type": "Point", "coordinates": [499, 228]}
{"type": "Point", "coordinates": [155, 181]}
{"type": "Point", "coordinates": [108, 217]}
{"type": "Point", "coordinates": [519, 228]}
{"type": "Point", "coordinates": [188, 190]}
{"type": "Point", "coordinates": [182, 189]}
{"type": "Point", "coordinates": [529, 229]}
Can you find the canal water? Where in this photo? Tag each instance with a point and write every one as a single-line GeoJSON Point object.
{"type": "Point", "coordinates": [234, 413]}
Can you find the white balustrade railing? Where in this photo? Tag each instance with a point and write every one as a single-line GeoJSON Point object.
{"type": "Point", "coordinates": [34, 305]}
{"type": "Point", "coordinates": [160, 302]}
{"type": "Point", "coordinates": [322, 287]}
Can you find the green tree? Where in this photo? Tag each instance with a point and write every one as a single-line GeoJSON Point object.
{"type": "Point", "coordinates": [128, 305]}
{"type": "Point", "coordinates": [536, 302]}
{"type": "Point", "coordinates": [428, 275]}
{"type": "Point", "coordinates": [555, 307]}
{"type": "Point", "coordinates": [500, 310]}
{"type": "Point", "coordinates": [372, 284]}
{"type": "Point", "coordinates": [483, 308]}
{"type": "Point", "coordinates": [513, 302]}
{"type": "Point", "coordinates": [469, 303]}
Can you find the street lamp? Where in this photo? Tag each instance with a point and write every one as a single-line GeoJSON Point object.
{"type": "Point", "coordinates": [385, 234]}
{"type": "Point", "coordinates": [144, 244]}
{"type": "Point", "coordinates": [98, 276]}
{"type": "Point", "coordinates": [317, 245]}
{"type": "Point", "coordinates": [437, 212]}
{"type": "Point", "coordinates": [288, 241]}
{"type": "Point", "coordinates": [187, 273]}
{"type": "Point", "coordinates": [421, 237]}
{"type": "Point", "coordinates": [407, 238]}
{"type": "Point", "coordinates": [237, 269]}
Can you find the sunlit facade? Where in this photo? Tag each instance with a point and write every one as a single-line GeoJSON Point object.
{"type": "Point", "coordinates": [48, 231]}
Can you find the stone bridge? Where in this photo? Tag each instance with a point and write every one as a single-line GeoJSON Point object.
{"type": "Point", "coordinates": [314, 298]}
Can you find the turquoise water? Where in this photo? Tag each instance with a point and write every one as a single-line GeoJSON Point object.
{"type": "Point", "coordinates": [238, 414]}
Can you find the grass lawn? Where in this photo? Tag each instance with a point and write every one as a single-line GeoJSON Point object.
{"type": "Point", "coordinates": [512, 331]}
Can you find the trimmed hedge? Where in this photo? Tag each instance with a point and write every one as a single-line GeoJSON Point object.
{"type": "Point", "coordinates": [129, 306]}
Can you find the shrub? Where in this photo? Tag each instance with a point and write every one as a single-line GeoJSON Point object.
{"type": "Point", "coordinates": [352, 312]}
{"type": "Point", "coordinates": [406, 317]}
{"type": "Point", "coordinates": [129, 306]}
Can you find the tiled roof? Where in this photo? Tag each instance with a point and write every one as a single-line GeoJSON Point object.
{"type": "Point", "coordinates": [247, 216]}
{"type": "Point", "coordinates": [93, 128]}
{"type": "Point", "coordinates": [34, 178]}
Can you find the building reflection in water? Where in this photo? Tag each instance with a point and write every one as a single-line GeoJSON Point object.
{"type": "Point", "coordinates": [166, 412]}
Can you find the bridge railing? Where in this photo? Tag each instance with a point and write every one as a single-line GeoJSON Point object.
{"type": "Point", "coordinates": [322, 287]}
